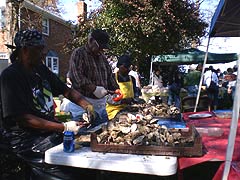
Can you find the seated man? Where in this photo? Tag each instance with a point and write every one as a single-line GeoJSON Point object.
{"type": "Point", "coordinates": [27, 90]}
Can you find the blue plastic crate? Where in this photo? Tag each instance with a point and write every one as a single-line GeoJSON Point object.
{"type": "Point", "coordinates": [172, 124]}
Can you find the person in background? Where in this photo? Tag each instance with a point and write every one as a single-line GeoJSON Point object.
{"type": "Point", "coordinates": [235, 69]}
{"type": "Point", "coordinates": [27, 107]}
{"type": "Point", "coordinates": [210, 75]}
{"type": "Point", "coordinates": [127, 86]}
{"type": "Point", "coordinates": [233, 86]}
{"type": "Point", "coordinates": [231, 79]}
{"type": "Point", "coordinates": [157, 78]}
{"type": "Point", "coordinates": [157, 83]}
{"type": "Point", "coordinates": [134, 72]}
{"type": "Point", "coordinates": [199, 67]}
{"type": "Point", "coordinates": [91, 74]}
{"type": "Point", "coordinates": [191, 81]}
{"type": "Point", "coordinates": [175, 83]}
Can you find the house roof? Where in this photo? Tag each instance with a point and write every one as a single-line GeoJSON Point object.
{"type": "Point", "coordinates": [45, 13]}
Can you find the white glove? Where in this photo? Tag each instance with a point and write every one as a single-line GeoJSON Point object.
{"type": "Point", "coordinates": [100, 92]}
{"type": "Point", "coordinates": [71, 126]}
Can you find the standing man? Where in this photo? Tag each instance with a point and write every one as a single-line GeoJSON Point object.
{"type": "Point", "coordinates": [175, 83]}
{"type": "Point", "coordinates": [27, 107]}
{"type": "Point", "coordinates": [191, 81]}
{"type": "Point", "coordinates": [210, 79]}
{"type": "Point", "coordinates": [127, 84]}
{"type": "Point", "coordinates": [91, 74]}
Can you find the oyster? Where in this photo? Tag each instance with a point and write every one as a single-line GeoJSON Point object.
{"type": "Point", "coordinates": [138, 140]}
{"type": "Point", "coordinates": [140, 127]}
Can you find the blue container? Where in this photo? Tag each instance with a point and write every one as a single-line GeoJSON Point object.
{"type": "Point", "coordinates": [171, 124]}
{"type": "Point", "coordinates": [68, 142]}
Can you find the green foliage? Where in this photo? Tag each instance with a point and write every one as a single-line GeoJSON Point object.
{"type": "Point", "coordinates": [145, 27]}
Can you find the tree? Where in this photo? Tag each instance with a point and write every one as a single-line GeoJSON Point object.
{"type": "Point", "coordinates": [50, 5]}
{"type": "Point", "coordinates": [146, 27]}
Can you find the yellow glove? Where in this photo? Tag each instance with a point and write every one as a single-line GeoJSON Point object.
{"type": "Point", "coordinates": [90, 112]}
{"type": "Point", "coordinates": [90, 108]}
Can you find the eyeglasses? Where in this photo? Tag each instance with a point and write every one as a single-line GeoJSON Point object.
{"type": "Point", "coordinates": [97, 43]}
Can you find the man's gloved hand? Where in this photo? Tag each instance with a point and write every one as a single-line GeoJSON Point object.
{"type": "Point", "coordinates": [100, 92]}
{"type": "Point", "coordinates": [90, 111]}
{"type": "Point", "coordinates": [71, 126]}
{"type": "Point", "coordinates": [90, 108]}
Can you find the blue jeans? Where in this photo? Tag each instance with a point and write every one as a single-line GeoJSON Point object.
{"type": "Point", "coordinates": [173, 99]}
{"type": "Point", "coordinates": [192, 90]}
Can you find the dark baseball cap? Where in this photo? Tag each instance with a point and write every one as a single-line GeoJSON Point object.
{"type": "Point", "coordinates": [101, 37]}
{"type": "Point", "coordinates": [124, 60]}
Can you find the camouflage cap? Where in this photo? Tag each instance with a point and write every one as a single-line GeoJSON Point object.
{"type": "Point", "coordinates": [26, 38]}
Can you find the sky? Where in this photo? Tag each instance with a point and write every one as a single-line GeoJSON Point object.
{"type": "Point", "coordinates": [71, 9]}
{"type": "Point", "coordinates": [2, 2]}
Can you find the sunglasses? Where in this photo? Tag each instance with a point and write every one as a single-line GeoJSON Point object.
{"type": "Point", "coordinates": [95, 42]}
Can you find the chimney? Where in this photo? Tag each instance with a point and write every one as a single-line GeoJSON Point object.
{"type": "Point", "coordinates": [82, 11]}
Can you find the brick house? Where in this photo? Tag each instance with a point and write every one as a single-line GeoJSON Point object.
{"type": "Point", "coordinates": [55, 29]}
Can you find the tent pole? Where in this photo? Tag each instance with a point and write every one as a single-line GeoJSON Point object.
{"type": "Point", "coordinates": [233, 127]}
{"type": "Point", "coordinates": [151, 69]}
{"type": "Point", "coordinates": [201, 80]}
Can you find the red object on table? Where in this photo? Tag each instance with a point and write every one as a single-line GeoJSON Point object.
{"type": "Point", "coordinates": [214, 147]}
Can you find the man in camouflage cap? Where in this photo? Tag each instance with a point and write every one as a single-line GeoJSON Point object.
{"type": "Point", "coordinates": [27, 90]}
{"type": "Point", "coordinates": [28, 38]}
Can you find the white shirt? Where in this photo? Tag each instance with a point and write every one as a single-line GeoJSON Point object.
{"type": "Point", "coordinates": [210, 76]}
{"type": "Point", "coordinates": [136, 76]}
{"type": "Point", "coordinates": [157, 80]}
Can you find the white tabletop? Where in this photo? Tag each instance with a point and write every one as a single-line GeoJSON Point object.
{"type": "Point", "coordinates": [131, 163]}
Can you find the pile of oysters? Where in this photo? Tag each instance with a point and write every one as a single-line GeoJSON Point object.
{"type": "Point", "coordinates": [160, 110]}
{"type": "Point", "coordinates": [140, 129]}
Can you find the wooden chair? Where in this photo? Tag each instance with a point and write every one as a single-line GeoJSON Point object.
{"type": "Point", "coordinates": [188, 104]}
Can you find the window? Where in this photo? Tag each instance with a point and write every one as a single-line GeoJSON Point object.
{"type": "Point", "coordinates": [45, 26]}
{"type": "Point", "coordinates": [52, 62]}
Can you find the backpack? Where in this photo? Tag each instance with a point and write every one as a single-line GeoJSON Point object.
{"type": "Point", "coordinates": [212, 87]}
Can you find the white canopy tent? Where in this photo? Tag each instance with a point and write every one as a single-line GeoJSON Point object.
{"type": "Point", "coordinates": [226, 23]}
